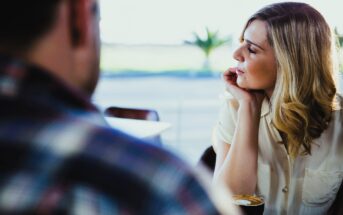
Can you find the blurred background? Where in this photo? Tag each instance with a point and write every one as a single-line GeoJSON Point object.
{"type": "Point", "coordinates": [167, 55]}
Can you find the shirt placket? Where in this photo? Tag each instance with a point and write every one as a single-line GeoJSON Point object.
{"type": "Point", "coordinates": [288, 171]}
{"type": "Point", "coordinates": [287, 164]}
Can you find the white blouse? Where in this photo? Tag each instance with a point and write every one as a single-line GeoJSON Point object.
{"type": "Point", "coordinates": [306, 185]}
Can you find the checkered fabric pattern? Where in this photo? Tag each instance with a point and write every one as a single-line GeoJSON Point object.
{"type": "Point", "coordinates": [58, 156]}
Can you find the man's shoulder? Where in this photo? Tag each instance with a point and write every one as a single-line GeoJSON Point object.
{"type": "Point", "coordinates": [93, 137]}
{"type": "Point", "coordinates": [121, 165]}
{"type": "Point", "coordinates": [135, 155]}
{"type": "Point", "coordinates": [74, 153]}
{"type": "Point", "coordinates": [115, 148]}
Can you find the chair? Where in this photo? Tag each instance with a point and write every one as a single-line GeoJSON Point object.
{"type": "Point", "coordinates": [337, 205]}
{"type": "Point", "coordinates": [133, 113]}
{"type": "Point", "coordinates": [208, 158]}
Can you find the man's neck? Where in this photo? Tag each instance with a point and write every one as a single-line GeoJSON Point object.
{"type": "Point", "coordinates": [53, 51]}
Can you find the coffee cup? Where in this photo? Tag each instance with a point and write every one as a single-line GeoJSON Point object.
{"type": "Point", "coordinates": [249, 204]}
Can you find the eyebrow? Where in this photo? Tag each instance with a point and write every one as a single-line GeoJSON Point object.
{"type": "Point", "coordinates": [248, 41]}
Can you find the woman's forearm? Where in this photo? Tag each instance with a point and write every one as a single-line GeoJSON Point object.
{"type": "Point", "coordinates": [239, 168]}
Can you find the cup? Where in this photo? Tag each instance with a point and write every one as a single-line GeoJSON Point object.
{"type": "Point", "coordinates": [249, 204]}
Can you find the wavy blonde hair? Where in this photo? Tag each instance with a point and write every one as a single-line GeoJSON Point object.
{"type": "Point", "coordinates": [304, 94]}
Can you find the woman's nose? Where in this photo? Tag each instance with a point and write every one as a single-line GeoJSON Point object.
{"type": "Point", "coordinates": [237, 54]}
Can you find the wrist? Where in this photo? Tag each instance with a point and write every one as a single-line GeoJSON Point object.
{"type": "Point", "coordinates": [250, 105]}
{"type": "Point", "coordinates": [249, 109]}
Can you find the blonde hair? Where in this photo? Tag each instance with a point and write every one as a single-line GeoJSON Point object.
{"type": "Point", "coordinates": [304, 94]}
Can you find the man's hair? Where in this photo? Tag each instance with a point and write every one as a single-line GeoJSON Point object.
{"type": "Point", "coordinates": [22, 22]}
{"type": "Point", "coordinates": [304, 95]}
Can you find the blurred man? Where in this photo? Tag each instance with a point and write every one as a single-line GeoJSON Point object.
{"type": "Point", "coordinates": [57, 155]}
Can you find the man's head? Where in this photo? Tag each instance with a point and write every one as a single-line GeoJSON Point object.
{"type": "Point", "coordinates": [62, 36]}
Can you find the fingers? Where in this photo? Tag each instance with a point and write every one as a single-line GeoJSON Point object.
{"type": "Point", "coordinates": [230, 75]}
{"type": "Point", "coordinates": [230, 78]}
{"type": "Point", "coordinates": [231, 70]}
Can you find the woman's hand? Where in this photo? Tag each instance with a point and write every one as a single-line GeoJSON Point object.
{"type": "Point", "coordinates": [242, 95]}
{"type": "Point", "coordinates": [236, 163]}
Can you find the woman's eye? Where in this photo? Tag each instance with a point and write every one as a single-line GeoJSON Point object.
{"type": "Point", "coordinates": [251, 51]}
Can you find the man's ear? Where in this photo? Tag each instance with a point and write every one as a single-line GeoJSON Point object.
{"type": "Point", "coordinates": [79, 21]}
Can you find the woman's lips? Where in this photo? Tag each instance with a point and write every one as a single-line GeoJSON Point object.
{"type": "Point", "coordinates": [239, 72]}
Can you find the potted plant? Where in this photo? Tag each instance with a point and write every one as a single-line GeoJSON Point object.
{"type": "Point", "coordinates": [208, 44]}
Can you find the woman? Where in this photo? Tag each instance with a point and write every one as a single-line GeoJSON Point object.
{"type": "Point", "coordinates": [281, 135]}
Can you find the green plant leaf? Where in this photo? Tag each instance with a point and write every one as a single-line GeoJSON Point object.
{"type": "Point", "coordinates": [208, 44]}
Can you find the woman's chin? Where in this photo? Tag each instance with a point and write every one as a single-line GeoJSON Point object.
{"type": "Point", "coordinates": [243, 85]}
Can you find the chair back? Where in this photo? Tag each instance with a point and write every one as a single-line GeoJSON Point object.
{"type": "Point", "coordinates": [208, 159]}
{"type": "Point", "coordinates": [132, 113]}
{"type": "Point", "coordinates": [337, 205]}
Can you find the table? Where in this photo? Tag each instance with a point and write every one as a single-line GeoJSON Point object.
{"type": "Point", "coordinates": [138, 128]}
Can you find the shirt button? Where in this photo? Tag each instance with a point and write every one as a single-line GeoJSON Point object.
{"type": "Point", "coordinates": [285, 189]}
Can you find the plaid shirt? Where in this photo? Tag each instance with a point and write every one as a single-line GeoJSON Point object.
{"type": "Point", "coordinates": [58, 156]}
